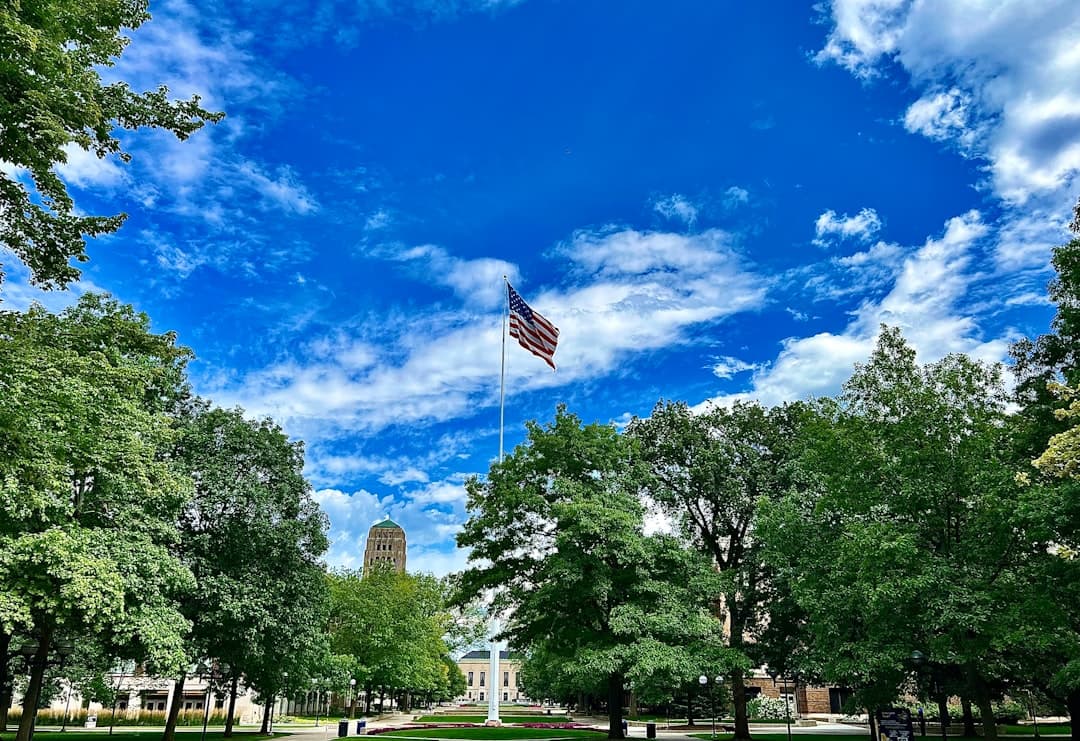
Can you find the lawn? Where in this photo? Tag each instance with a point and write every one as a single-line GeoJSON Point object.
{"type": "Point", "coordinates": [506, 718]}
{"type": "Point", "coordinates": [1044, 729]}
{"type": "Point", "coordinates": [185, 734]}
{"type": "Point", "coordinates": [500, 733]}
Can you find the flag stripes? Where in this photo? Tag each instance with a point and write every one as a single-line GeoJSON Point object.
{"type": "Point", "coordinates": [533, 332]}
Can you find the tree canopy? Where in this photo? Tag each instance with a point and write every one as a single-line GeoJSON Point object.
{"type": "Point", "coordinates": [52, 98]}
{"type": "Point", "coordinates": [556, 530]}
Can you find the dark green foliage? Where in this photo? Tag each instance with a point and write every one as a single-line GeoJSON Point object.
{"type": "Point", "coordinates": [52, 96]}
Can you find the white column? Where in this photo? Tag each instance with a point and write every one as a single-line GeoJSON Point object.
{"type": "Point", "coordinates": [493, 684]}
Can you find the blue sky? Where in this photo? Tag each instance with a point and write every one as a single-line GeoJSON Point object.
{"type": "Point", "coordinates": [712, 201]}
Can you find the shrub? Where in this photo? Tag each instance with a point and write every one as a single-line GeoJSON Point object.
{"type": "Point", "coordinates": [767, 708]}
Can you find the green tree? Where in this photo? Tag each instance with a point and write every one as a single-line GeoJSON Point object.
{"type": "Point", "coordinates": [708, 472]}
{"type": "Point", "coordinates": [88, 502]}
{"type": "Point", "coordinates": [52, 97]}
{"type": "Point", "coordinates": [393, 627]}
{"type": "Point", "coordinates": [916, 534]}
{"type": "Point", "coordinates": [250, 527]}
{"type": "Point", "coordinates": [556, 531]}
{"type": "Point", "coordinates": [1045, 431]}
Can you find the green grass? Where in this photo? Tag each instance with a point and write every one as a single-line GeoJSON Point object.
{"type": "Point", "coordinates": [140, 735]}
{"type": "Point", "coordinates": [506, 718]}
{"type": "Point", "coordinates": [1029, 730]}
{"type": "Point", "coordinates": [501, 733]}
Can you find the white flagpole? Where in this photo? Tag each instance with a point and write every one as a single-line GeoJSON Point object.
{"type": "Point", "coordinates": [493, 659]}
{"type": "Point", "coordinates": [502, 370]}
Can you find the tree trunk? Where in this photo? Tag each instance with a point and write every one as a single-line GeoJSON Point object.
{"type": "Point", "coordinates": [872, 723]}
{"type": "Point", "coordinates": [943, 715]}
{"type": "Point", "coordinates": [614, 705]}
{"type": "Point", "coordinates": [738, 687]}
{"type": "Point", "coordinates": [1072, 702]}
{"type": "Point", "coordinates": [264, 729]}
{"type": "Point", "coordinates": [690, 706]}
{"type": "Point", "coordinates": [969, 718]}
{"type": "Point", "coordinates": [382, 698]}
{"type": "Point", "coordinates": [174, 709]}
{"type": "Point", "coordinates": [738, 699]}
{"type": "Point", "coordinates": [33, 689]}
{"type": "Point", "coordinates": [986, 710]}
{"type": "Point", "coordinates": [232, 705]}
{"type": "Point", "coordinates": [5, 680]}
{"type": "Point", "coordinates": [368, 695]}
{"type": "Point", "coordinates": [633, 706]}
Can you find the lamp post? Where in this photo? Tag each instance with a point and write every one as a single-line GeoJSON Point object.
{"type": "Point", "coordinates": [318, 694]}
{"type": "Point", "coordinates": [919, 660]}
{"type": "Point", "coordinates": [62, 648]}
{"type": "Point", "coordinates": [787, 704]}
{"type": "Point", "coordinates": [207, 675]}
{"type": "Point", "coordinates": [704, 681]}
{"type": "Point", "coordinates": [352, 697]}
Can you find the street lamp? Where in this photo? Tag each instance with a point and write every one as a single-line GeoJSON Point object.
{"type": "Point", "coordinates": [703, 681]}
{"type": "Point", "coordinates": [318, 694]}
{"type": "Point", "coordinates": [919, 660]}
{"type": "Point", "coordinates": [352, 697]}
{"type": "Point", "coordinates": [787, 705]}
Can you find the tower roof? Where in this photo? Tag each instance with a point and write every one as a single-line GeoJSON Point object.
{"type": "Point", "coordinates": [387, 523]}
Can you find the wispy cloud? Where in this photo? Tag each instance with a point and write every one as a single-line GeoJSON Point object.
{"type": "Point", "coordinates": [929, 300]}
{"type": "Point", "coordinates": [632, 292]}
{"type": "Point", "coordinates": [677, 207]}
{"type": "Point", "coordinates": [1002, 86]}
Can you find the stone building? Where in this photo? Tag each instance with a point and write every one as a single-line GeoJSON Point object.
{"type": "Point", "coordinates": [476, 665]}
{"type": "Point", "coordinates": [385, 544]}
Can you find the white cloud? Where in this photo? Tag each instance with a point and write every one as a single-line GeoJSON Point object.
{"type": "Point", "coordinates": [735, 196]}
{"type": "Point", "coordinates": [84, 169]}
{"type": "Point", "coordinates": [677, 207]}
{"type": "Point", "coordinates": [861, 227]}
{"type": "Point", "coordinates": [283, 190]}
{"type": "Point", "coordinates": [377, 220]}
{"type": "Point", "coordinates": [1000, 82]}
{"type": "Point", "coordinates": [427, 529]}
{"type": "Point", "coordinates": [478, 281]}
{"type": "Point", "coordinates": [635, 292]}
{"type": "Point", "coordinates": [727, 366]}
{"type": "Point", "coordinates": [925, 302]}
{"type": "Point", "coordinates": [942, 116]}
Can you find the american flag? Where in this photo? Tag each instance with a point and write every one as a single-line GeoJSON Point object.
{"type": "Point", "coordinates": [535, 333]}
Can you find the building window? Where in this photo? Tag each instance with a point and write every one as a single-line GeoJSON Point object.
{"type": "Point", "coordinates": [481, 680]}
{"type": "Point", "coordinates": [505, 697]}
{"type": "Point", "coordinates": [470, 679]}
{"type": "Point", "coordinates": [219, 703]}
{"type": "Point", "coordinates": [481, 697]}
{"type": "Point", "coordinates": [506, 679]}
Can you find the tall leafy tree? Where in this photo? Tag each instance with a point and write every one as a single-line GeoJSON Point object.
{"type": "Point", "coordinates": [708, 472]}
{"type": "Point", "coordinates": [51, 98]}
{"type": "Point", "coordinates": [1045, 431]}
{"type": "Point", "coordinates": [88, 501]}
{"type": "Point", "coordinates": [916, 529]}
{"type": "Point", "coordinates": [556, 531]}
{"type": "Point", "coordinates": [250, 534]}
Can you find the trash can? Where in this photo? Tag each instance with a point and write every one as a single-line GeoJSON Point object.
{"type": "Point", "coordinates": [91, 721]}
{"type": "Point", "coordinates": [343, 728]}
{"type": "Point", "coordinates": [650, 730]}
{"type": "Point", "coordinates": [360, 726]}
